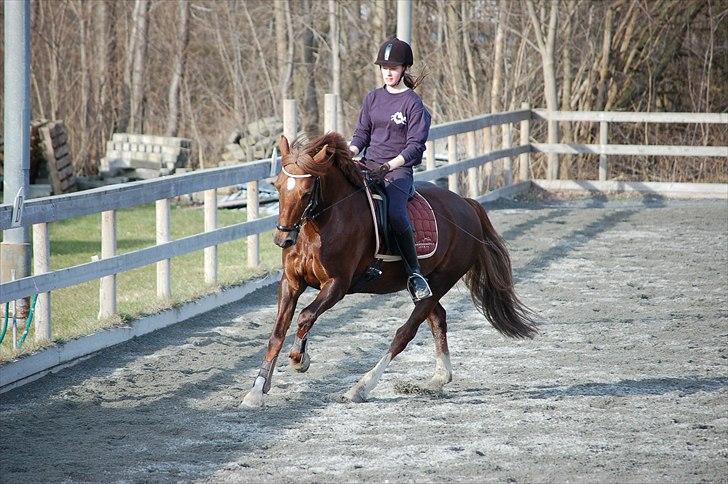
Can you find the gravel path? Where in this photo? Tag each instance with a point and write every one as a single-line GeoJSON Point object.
{"type": "Point", "coordinates": [628, 382]}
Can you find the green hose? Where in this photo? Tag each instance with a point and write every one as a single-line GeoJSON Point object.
{"type": "Point", "coordinates": [29, 321]}
{"type": "Point", "coordinates": [5, 323]}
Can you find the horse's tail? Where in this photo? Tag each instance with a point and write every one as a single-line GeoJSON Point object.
{"type": "Point", "coordinates": [490, 281]}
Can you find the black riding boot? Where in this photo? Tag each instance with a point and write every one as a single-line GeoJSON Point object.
{"type": "Point", "coordinates": [416, 283]}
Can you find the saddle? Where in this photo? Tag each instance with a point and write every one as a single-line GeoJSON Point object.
{"type": "Point", "coordinates": [421, 216]}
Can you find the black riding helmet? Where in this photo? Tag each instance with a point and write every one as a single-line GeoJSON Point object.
{"type": "Point", "coordinates": [395, 52]}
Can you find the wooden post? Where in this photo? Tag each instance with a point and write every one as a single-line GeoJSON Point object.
{"type": "Point", "coordinates": [487, 169]}
{"type": "Point", "coordinates": [210, 253]}
{"type": "Point", "coordinates": [473, 188]}
{"type": "Point", "coordinates": [107, 289]}
{"type": "Point", "coordinates": [452, 157]}
{"type": "Point", "coordinates": [290, 117]}
{"type": "Point", "coordinates": [553, 158]}
{"type": "Point", "coordinates": [507, 161]}
{"type": "Point", "coordinates": [525, 158]}
{"type": "Point", "coordinates": [603, 140]}
{"type": "Point", "coordinates": [253, 240]}
{"type": "Point", "coordinates": [164, 285]}
{"type": "Point", "coordinates": [430, 155]}
{"type": "Point", "coordinates": [42, 264]}
{"type": "Point", "coordinates": [329, 112]}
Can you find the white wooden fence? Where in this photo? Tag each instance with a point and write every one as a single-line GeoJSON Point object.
{"type": "Point", "coordinates": [38, 213]}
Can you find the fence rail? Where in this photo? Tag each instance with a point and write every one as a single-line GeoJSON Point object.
{"type": "Point", "coordinates": [553, 148]}
{"type": "Point", "coordinates": [107, 200]}
{"type": "Point", "coordinates": [627, 117]}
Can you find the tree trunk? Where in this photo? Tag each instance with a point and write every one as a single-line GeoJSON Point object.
{"type": "Point", "coordinates": [566, 126]}
{"type": "Point", "coordinates": [178, 72]}
{"type": "Point", "coordinates": [280, 22]}
{"type": "Point", "coordinates": [136, 112]}
{"type": "Point", "coordinates": [263, 63]}
{"type": "Point", "coordinates": [546, 41]}
{"type": "Point", "coordinates": [310, 102]}
{"type": "Point", "coordinates": [467, 47]}
{"type": "Point", "coordinates": [604, 61]}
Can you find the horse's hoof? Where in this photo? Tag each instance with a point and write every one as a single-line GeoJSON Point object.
{"type": "Point", "coordinates": [303, 365]}
{"type": "Point", "coordinates": [352, 396]}
{"type": "Point", "coordinates": [436, 383]}
{"type": "Point", "coordinates": [252, 399]}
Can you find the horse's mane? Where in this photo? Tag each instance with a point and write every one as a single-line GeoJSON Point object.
{"type": "Point", "coordinates": [338, 151]}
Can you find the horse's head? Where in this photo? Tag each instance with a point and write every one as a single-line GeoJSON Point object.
{"type": "Point", "coordinates": [298, 186]}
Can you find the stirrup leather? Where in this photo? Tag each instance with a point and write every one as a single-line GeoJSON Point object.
{"type": "Point", "coordinates": [421, 292]}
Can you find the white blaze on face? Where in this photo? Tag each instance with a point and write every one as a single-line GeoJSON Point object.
{"type": "Point", "coordinates": [290, 183]}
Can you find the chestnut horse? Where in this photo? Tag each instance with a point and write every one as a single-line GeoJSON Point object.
{"type": "Point", "coordinates": [327, 234]}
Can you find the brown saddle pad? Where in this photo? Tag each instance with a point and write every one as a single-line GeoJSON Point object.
{"type": "Point", "coordinates": [423, 221]}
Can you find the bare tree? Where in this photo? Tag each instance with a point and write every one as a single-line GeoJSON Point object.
{"type": "Point", "coordinates": [136, 111]}
{"type": "Point", "coordinates": [546, 41]}
{"type": "Point", "coordinates": [178, 70]}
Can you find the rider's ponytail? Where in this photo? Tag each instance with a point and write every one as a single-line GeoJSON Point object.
{"type": "Point", "coordinates": [411, 81]}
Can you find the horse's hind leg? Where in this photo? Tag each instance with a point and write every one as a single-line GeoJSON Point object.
{"type": "Point", "coordinates": [443, 369]}
{"type": "Point", "coordinates": [405, 333]}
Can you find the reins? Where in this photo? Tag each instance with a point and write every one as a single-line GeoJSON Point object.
{"type": "Point", "coordinates": [313, 202]}
{"type": "Point", "coordinates": [316, 196]}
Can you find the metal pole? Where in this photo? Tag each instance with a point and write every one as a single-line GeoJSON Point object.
{"type": "Point", "coordinates": [335, 63]}
{"type": "Point", "coordinates": [15, 247]}
{"type": "Point", "coordinates": [404, 20]}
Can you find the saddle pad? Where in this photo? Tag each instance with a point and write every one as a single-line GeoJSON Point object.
{"type": "Point", "coordinates": [423, 220]}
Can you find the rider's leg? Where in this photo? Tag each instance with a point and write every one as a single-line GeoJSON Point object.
{"type": "Point", "coordinates": [398, 191]}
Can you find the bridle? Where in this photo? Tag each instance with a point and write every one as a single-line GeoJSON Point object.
{"type": "Point", "coordinates": [313, 203]}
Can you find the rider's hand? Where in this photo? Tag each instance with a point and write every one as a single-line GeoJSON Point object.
{"type": "Point", "coordinates": [381, 172]}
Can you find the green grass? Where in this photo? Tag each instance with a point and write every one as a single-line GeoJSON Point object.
{"type": "Point", "coordinates": [74, 310]}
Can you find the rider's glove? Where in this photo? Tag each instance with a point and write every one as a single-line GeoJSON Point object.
{"type": "Point", "coordinates": [379, 173]}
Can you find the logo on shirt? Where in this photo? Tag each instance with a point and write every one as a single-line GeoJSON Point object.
{"type": "Point", "coordinates": [399, 118]}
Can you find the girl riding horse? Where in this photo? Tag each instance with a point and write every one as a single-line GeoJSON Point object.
{"type": "Point", "coordinates": [393, 127]}
{"type": "Point", "coordinates": [319, 188]}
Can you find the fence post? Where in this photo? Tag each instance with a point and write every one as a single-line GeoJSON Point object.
{"type": "Point", "coordinates": [329, 112]}
{"type": "Point", "coordinates": [252, 210]}
{"type": "Point", "coordinates": [507, 161]}
{"type": "Point", "coordinates": [473, 188]}
{"type": "Point", "coordinates": [487, 169]}
{"type": "Point", "coordinates": [553, 158]}
{"type": "Point", "coordinates": [430, 155]}
{"type": "Point", "coordinates": [107, 288]}
{"type": "Point", "coordinates": [210, 253]}
{"type": "Point", "coordinates": [41, 264]}
{"type": "Point", "coordinates": [164, 286]}
{"type": "Point", "coordinates": [452, 157]}
{"type": "Point", "coordinates": [603, 140]}
{"type": "Point", "coordinates": [525, 158]}
{"type": "Point", "coordinates": [290, 115]}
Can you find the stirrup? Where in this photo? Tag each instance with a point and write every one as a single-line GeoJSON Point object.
{"type": "Point", "coordinates": [422, 292]}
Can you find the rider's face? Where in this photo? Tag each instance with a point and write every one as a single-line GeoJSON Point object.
{"type": "Point", "coordinates": [391, 75]}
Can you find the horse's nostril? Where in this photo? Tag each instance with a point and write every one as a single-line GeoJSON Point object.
{"type": "Point", "coordinates": [287, 243]}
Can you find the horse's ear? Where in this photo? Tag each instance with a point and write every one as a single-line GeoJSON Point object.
{"type": "Point", "coordinates": [321, 155]}
{"type": "Point", "coordinates": [283, 146]}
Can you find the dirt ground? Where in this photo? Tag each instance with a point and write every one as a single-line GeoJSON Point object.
{"type": "Point", "coordinates": [627, 382]}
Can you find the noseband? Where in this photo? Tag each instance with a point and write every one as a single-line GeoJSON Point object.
{"type": "Point", "coordinates": [313, 203]}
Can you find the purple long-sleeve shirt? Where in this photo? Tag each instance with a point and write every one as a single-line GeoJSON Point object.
{"type": "Point", "coordinates": [392, 124]}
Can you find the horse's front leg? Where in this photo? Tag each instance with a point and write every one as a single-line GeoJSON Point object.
{"type": "Point", "coordinates": [332, 291]}
{"type": "Point", "coordinates": [288, 295]}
